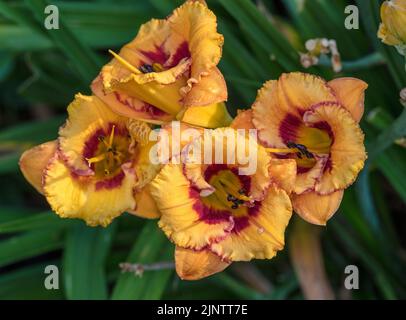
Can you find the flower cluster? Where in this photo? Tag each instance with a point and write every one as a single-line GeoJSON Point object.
{"type": "Point", "coordinates": [308, 148]}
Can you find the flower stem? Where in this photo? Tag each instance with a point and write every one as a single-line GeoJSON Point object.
{"type": "Point", "coordinates": [139, 268]}
{"type": "Point", "coordinates": [371, 60]}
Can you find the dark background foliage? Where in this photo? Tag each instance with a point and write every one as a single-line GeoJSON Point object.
{"type": "Point", "coordinates": [41, 70]}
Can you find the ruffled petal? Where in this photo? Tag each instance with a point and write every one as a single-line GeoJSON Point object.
{"type": "Point", "coordinates": [181, 209]}
{"type": "Point", "coordinates": [88, 117]}
{"type": "Point", "coordinates": [266, 104]}
{"type": "Point", "coordinates": [195, 265]}
{"type": "Point", "coordinates": [195, 23]}
{"type": "Point", "coordinates": [315, 208]}
{"type": "Point", "coordinates": [264, 234]}
{"type": "Point", "coordinates": [298, 92]}
{"type": "Point", "coordinates": [351, 94]}
{"type": "Point", "coordinates": [33, 162]}
{"type": "Point", "coordinates": [96, 202]}
{"type": "Point", "coordinates": [347, 152]}
{"type": "Point", "coordinates": [210, 89]}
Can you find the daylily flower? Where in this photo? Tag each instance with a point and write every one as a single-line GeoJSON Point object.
{"type": "Point", "coordinates": [169, 71]}
{"type": "Point", "coordinates": [215, 214]}
{"type": "Point", "coordinates": [392, 30]}
{"type": "Point", "coordinates": [302, 117]}
{"type": "Point", "coordinates": [98, 166]}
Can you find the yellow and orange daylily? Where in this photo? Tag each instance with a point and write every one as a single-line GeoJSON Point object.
{"type": "Point", "coordinates": [302, 117]}
{"type": "Point", "coordinates": [169, 71]}
{"type": "Point", "coordinates": [98, 166]}
{"type": "Point", "coordinates": [215, 215]}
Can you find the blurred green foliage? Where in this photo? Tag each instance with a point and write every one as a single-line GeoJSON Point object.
{"type": "Point", "coordinates": [41, 70]}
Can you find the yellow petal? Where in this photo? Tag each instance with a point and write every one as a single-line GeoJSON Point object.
{"type": "Point", "coordinates": [181, 210]}
{"type": "Point", "coordinates": [33, 162]}
{"type": "Point", "coordinates": [351, 94]}
{"type": "Point", "coordinates": [315, 208]}
{"type": "Point", "coordinates": [73, 196]}
{"type": "Point", "coordinates": [297, 92]}
{"type": "Point", "coordinates": [127, 106]}
{"type": "Point", "coordinates": [213, 116]}
{"type": "Point", "coordinates": [347, 153]}
{"type": "Point", "coordinates": [210, 89]}
{"type": "Point", "coordinates": [195, 23]}
{"type": "Point", "coordinates": [145, 205]}
{"type": "Point", "coordinates": [195, 265]}
{"type": "Point", "coordinates": [264, 234]}
{"type": "Point", "coordinates": [165, 97]}
{"type": "Point", "coordinates": [88, 115]}
{"type": "Point", "coordinates": [283, 173]}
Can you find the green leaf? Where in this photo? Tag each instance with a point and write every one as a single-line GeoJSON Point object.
{"type": "Point", "coordinates": [84, 261]}
{"type": "Point", "coordinates": [27, 283]}
{"type": "Point", "coordinates": [84, 59]}
{"type": "Point", "coordinates": [387, 138]}
{"type": "Point", "coordinates": [6, 64]}
{"type": "Point", "coordinates": [33, 221]}
{"type": "Point", "coordinates": [262, 32]}
{"type": "Point", "coordinates": [32, 132]}
{"type": "Point", "coordinates": [382, 279]}
{"type": "Point", "coordinates": [151, 246]}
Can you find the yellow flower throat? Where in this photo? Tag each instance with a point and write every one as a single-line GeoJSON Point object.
{"type": "Point", "coordinates": [229, 193]}
{"type": "Point", "coordinates": [111, 154]}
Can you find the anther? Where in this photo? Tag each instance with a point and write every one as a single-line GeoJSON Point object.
{"type": "Point", "coordinates": [146, 68]}
{"type": "Point", "coordinates": [301, 148]}
{"type": "Point", "coordinates": [242, 191]}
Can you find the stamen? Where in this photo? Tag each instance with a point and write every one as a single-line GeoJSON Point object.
{"type": "Point", "coordinates": [234, 191]}
{"type": "Point", "coordinates": [125, 63]}
{"type": "Point", "coordinates": [111, 136]}
{"type": "Point", "coordinates": [157, 67]}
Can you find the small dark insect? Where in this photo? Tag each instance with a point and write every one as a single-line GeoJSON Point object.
{"type": "Point", "coordinates": [146, 68]}
{"type": "Point", "coordinates": [101, 138]}
{"type": "Point", "coordinates": [234, 206]}
{"type": "Point", "coordinates": [231, 198]}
